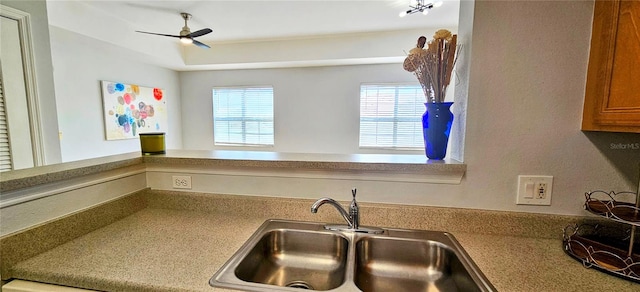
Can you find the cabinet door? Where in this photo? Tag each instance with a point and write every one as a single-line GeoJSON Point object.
{"type": "Point", "coordinates": [612, 100]}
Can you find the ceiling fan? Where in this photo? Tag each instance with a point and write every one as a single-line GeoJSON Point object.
{"type": "Point", "coordinates": [186, 36]}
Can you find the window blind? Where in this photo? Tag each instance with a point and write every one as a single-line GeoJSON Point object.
{"type": "Point", "coordinates": [391, 116]}
{"type": "Point", "coordinates": [5, 149]}
{"type": "Point", "coordinates": [243, 116]}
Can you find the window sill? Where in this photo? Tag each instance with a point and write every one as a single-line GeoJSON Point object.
{"type": "Point", "coordinates": [376, 167]}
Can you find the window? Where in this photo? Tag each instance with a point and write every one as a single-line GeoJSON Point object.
{"type": "Point", "coordinates": [243, 116]}
{"type": "Point", "coordinates": [391, 116]}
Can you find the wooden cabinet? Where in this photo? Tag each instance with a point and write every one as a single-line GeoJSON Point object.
{"type": "Point", "coordinates": [612, 99]}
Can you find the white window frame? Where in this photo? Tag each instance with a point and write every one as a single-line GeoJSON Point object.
{"type": "Point", "coordinates": [244, 118]}
{"type": "Point", "coordinates": [417, 116]}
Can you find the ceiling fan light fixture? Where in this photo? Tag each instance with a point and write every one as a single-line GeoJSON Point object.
{"type": "Point", "coordinates": [420, 6]}
{"type": "Point", "coordinates": [186, 41]}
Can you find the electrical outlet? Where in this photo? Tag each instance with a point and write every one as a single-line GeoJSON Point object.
{"type": "Point", "coordinates": [541, 190]}
{"type": "Point", "coordinates": [181, 181]}
{"type": "Point", "coordinates": [534, 190]}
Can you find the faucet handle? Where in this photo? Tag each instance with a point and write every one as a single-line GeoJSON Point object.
{"type": "Point", "coordinates": [354, 211]}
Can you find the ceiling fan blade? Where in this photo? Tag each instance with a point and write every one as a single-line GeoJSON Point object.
{"type": "Point", "coordinates": [168, 35]}
{"type": "Point", "coordinates": [200, 32]}
{"type": "Point", "coordinates": [199, 44]}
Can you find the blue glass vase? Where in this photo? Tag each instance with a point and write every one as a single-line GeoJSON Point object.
{"type": "Point", "coordinates": [436, 127]}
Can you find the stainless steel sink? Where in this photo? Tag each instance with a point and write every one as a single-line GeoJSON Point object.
{"type": "Point", "coordinates": [296, 258]}
{"type": "Point", "coordinates": [393, 264]}
{"type": "Point", "coordinates": [293, 255]}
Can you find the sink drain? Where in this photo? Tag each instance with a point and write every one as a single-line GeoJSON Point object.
{"type": "Point", "coordinates": [300, 285]}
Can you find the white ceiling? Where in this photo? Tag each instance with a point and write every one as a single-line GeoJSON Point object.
{"type": "Point", "coordinates": [241, 21]}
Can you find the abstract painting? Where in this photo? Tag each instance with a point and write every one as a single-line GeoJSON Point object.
{"type": "Point", "coordinates": [130, 109]}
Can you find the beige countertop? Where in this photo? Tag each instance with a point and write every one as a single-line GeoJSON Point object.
{"type": "Point", "coordinates": [418, 164]}
{"type": "Point", "coordinates": [159, 249]}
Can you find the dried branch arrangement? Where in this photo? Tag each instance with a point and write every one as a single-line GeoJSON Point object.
{"type": "Point", "coordinates": [433, 65]}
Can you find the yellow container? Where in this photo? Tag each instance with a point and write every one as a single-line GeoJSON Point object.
{"type": "Point", "coordinates": [152, 143]}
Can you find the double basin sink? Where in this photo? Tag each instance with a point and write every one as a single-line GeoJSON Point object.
{"type": "Point", "coordinates": [293, 255]}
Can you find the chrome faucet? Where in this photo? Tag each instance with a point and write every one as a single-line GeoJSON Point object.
{"type": "Point", "coordinates": [352, 218]}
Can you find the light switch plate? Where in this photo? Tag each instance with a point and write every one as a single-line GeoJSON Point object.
{"type": "Point", "coordinates": [534, 190]}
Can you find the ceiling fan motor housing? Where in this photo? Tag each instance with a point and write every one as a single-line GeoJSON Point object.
{"type": "Point", "coordinates": [185, 29]}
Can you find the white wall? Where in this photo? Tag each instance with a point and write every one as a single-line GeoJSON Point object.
{"type": "Point", "coordinates": [85, 19]}
{"type": "Point", "coordinates": [44, 75]}
{"type": "Point", "coordinates": [317, 109]}
{"type": "Point", "coordinates": [526, 92]}
{"type": "Point", "coordinates": [80, 63]}
{"type": "Point", "coordinates": [526, 80]}
{"type": "Point", "coordinates": [343, 49]}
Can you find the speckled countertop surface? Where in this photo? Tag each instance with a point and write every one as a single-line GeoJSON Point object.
{"type": "Point", "coordinates": [418, 164]}
{"type": "Point", "coordinates": [305, 160]}
{"type": "Point", "coordinates": [29, 177]}
{"type": "Point", "coordinates": [179, 250]}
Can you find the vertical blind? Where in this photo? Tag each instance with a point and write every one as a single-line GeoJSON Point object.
{"type": "Point", "coordinates": [5, 149]}
{"type": "Point", "coordinates": [243, 116]}
{"type": "Point", "coordinates": [391, 116]}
